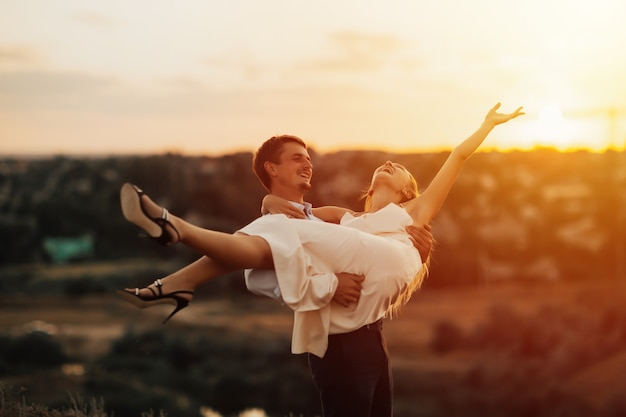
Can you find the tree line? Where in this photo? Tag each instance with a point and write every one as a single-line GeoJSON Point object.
{"type": "Point", "coordinates": [560, 211]}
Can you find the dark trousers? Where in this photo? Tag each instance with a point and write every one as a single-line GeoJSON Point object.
{"type": "Point", "coordinates": [354, 376]}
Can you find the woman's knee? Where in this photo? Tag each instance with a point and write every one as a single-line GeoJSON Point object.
{"type": "Point", "coordinates": [262, 252]}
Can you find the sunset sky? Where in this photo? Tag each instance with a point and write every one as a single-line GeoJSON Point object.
{"type": "Point", "coordinates": [213, 77]}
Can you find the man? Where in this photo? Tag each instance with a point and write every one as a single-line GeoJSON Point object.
{"type": "Point", "coordinates": [354, 376]}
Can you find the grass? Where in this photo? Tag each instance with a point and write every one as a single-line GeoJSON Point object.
{"type": "Point", "coordinates": [13, 404]}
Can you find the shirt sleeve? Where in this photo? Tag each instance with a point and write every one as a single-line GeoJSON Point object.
{"type": "Point", "coordinates": [263, 282]}
{"type": "Point", "coordinates": [316, 292]}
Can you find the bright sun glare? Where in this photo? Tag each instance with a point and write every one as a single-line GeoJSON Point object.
{"type": "Point", "coordinates": [551, 119]}
{"type": "Point", "coordinates": [552, 129]}
{"type": "Point", "coordinates": [594, 129]}
{"type": "Point", "coordinates": [550, 126]}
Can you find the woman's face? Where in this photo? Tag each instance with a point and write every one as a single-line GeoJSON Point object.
{"type": "Point", "coordinates": [393, 174]}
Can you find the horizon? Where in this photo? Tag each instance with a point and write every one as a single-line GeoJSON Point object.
{"type": "Point", "coordinates": [40, 156]}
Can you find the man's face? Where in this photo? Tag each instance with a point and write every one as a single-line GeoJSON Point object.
{"type": "Point", "coordinates": [295, 170]}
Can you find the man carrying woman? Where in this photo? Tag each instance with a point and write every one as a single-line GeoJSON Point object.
{"type": "Point", "coordinates": [373, 243]}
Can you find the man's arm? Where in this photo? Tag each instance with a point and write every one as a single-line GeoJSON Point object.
{"type": "Point", "coordinates": [349, 286]}
{"type": "Point", "coordinates": [348, 289]}
{"type": "Point", "coordinates": [342, 288]}
{"type": "Point", "coordinates": [320, 289]}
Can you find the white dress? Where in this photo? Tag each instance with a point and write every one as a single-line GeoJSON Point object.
{"type": "Point", "coordinates": [375, 245]}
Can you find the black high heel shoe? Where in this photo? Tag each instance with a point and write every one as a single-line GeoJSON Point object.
{"type": "Point", "coordinates": [134, 212]}
{"type": "Point", "coordinates": [143, 301]}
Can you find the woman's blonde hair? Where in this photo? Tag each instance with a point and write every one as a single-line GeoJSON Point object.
{"type": "Point", "coordinates": [411, 192]}
{"type": "Point", "coordinates": [408, 291]}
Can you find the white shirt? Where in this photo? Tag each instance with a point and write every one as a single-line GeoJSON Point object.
{"type": "Point", "coordinates": [306, 254]}
{"type": "Point", "coordinates": [264, 281]}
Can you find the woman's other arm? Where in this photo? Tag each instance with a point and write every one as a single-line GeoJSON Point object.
{"type": "Point", "coordinates": [278, 205]}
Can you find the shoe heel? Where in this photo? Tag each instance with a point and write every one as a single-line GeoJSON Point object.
{"type": "Point", "coordinates": [157, 297]}
{"type": "Point", "coordinates": [159, 228]}
{"type": "Point", "coordinates": [180, 304]}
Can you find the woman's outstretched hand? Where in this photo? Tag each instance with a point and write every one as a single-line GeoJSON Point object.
{"type": "Point", "coordinates": [495, 118]}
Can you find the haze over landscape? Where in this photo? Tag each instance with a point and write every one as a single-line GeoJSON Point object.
{"type": "Point", "coordinates": [89, 77]}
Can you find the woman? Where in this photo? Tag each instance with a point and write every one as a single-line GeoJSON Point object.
{"type": "Point", "coordinates": [373, 243]}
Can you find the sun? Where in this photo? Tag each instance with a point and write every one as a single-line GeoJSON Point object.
{"type": "Point", "coordinates": [550, 123]}
{"type": "Point", "coordinates": [551, 129]}
{"type": "Point", "coordinates": [551, 119]}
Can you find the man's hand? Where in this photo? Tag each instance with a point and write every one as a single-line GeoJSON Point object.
{"type": "Point", "coordinates": [422, 239]}
{"type": "Point", "coordinates": [349, 289]}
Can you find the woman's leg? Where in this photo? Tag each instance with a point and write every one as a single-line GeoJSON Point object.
{"type": "Point", "coordinates": [189, 277]}
{"type": "Point", "coordinates": [230, 251]}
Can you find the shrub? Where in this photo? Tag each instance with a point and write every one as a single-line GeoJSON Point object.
{"type": "Point", "coordinates": [447, 337]}
{"type": "Point", "coordinates": [227, 372]}
{"type": "Point", "coordinates": [35, 350]}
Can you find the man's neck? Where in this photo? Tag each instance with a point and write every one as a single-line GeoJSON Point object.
{"type": "Point", "coordinates": [295, 196]}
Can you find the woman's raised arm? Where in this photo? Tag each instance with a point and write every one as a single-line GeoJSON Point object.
{"type": "Point", "coordinates": [424, 208]}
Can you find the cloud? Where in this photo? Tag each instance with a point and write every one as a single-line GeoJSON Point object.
{"type": "Point", "coordinates": [48, 83]}
{"type": "Point", "coordinates": [94, 19]}
{"type": "Point", "coordinates": [240, 67]}
{"type": "Point", "coordinates": [356, 43]}
{"type": "Point", "coordinates": [36, 90]}
{"type": "Point", "coordinates": [17, 55]}
{"type": "Point", "coordinates": [359, 52]}
{"type": "Point", "coordinates": [29, 91]}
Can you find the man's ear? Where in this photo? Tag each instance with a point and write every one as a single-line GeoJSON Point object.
{"type": "Point", "coordinates": [270, 168]}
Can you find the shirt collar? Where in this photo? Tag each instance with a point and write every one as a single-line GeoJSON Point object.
{"type": "Point", "coordinates": [306, 207]}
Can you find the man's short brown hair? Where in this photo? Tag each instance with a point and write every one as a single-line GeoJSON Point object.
{"type": "Point", "coordinates": [270, 151]}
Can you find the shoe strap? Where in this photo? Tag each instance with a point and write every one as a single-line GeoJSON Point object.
{"type": "Point", "coordinates": [163, 221]}
{"type": "Point", "coordinates": [158, 283]}
{"type": "Point", "coordinates": [151, 290]}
